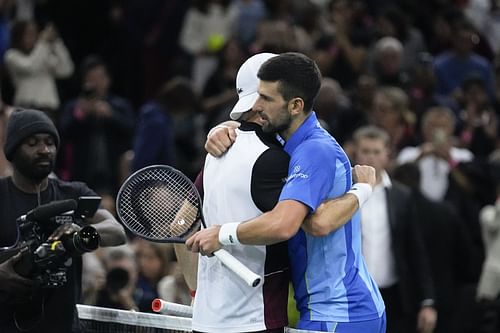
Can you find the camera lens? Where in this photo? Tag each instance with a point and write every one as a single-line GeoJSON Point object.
{"type": "Point", "coordinates": [85, 240]}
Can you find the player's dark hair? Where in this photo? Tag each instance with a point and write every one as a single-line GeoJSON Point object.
{"type": "Point", "coordinates": [297, 74]}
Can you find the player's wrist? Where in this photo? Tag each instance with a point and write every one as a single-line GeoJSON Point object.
{"type": "Point", "coordinates": [228, 234]}
{"type": "Point", "coordinates": [362, 191]}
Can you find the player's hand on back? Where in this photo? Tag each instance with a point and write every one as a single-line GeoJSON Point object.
{"type": "Point", "coordinates": [220, 138]}
{"type": "Point", "coordinates": [364, 174]}
{"type": "Point", "coordinates": [205, 241]}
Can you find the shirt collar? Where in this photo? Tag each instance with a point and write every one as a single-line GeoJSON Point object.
{"type": "Point", "coordinates": [302, 132]}
{"type": "Point", "coordinates": [386, 180]}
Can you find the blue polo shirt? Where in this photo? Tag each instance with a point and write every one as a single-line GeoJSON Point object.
{"type": "Point", "coordinates": [329, 274]}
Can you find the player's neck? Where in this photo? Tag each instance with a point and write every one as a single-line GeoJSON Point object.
{"type": "Point", "coordinates": [29, 185]}
{"type": "Point", "coordinates": [296, 122]}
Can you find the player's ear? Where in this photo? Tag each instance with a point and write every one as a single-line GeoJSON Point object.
{"type": "Point", "coordinates": [296, 105]}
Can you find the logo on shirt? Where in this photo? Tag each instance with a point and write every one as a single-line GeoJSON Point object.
{"type": "Point", "coordinates": [297, 174]}
{"type": "Point", "coordinates": [239, 90]}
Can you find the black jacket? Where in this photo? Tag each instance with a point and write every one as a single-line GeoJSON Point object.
{"type": "Point", "coordinates": [411, 260]}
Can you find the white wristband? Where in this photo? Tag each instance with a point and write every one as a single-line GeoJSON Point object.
{"type": "Point", "coordinates": [362, 191]}
{"type": "Point", "coordinates": [228, 234]}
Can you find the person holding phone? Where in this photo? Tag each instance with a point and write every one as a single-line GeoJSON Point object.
{"type": "Point", "coordinates": [35, 60]}
{"type": "Point", "coordinates": [437, 157]}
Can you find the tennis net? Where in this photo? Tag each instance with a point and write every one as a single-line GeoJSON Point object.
{"type": "Point", "coordinates": [95, 319]}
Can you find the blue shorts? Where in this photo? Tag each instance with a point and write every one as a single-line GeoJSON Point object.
{"type": "Point", "coordinates": [368, 326]}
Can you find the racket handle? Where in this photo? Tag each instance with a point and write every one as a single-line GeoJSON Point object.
{"type": "Point", "coordinates": [160, 306]}
{"type": "Point", "coordinates": [252, 279]}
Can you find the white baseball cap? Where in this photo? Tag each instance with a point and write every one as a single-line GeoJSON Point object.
{"type": "Point", "coordinates": [247, 83]}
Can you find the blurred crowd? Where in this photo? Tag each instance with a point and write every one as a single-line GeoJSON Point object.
{"type": "Point", "coordinates": [132, 83]}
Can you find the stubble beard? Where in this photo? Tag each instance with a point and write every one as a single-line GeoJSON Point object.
{"type": "Point", "coordinates": [281, 124]}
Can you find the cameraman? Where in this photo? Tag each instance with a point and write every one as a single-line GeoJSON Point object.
{"type": "Point", "coordinates": [31, 146]}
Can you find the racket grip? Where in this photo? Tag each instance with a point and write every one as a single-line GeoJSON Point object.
{"type": "Point", "coordinates": [252, 279]}
{"type": "Point", "coordinates": [160, 306]}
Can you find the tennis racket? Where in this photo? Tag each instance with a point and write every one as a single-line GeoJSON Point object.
{"type": "Point", "coordinates": [160, 204]}
{"type": "Point", "coordinates": [173, 309]}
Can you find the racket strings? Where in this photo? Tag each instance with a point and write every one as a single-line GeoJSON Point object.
{"type": "Point", "coordinates": [159, 204]}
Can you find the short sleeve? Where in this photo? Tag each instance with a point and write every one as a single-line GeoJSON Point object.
{"type": "Point", "coordinates": [310, 175]}
{"type": "Point", "coordinates": [268, 177]}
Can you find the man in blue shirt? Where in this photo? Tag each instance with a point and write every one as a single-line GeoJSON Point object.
{"type": "Point", "coordinates": [333, 289]}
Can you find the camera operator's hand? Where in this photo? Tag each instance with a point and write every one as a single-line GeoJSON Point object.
{"type": "Point", "coordinates": [65, 229]}
{"type": "Point", "coordinates": [11, 283]}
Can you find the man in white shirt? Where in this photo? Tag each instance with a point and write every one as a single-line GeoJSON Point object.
{"type": "Point", "coordinates": [392, 244]}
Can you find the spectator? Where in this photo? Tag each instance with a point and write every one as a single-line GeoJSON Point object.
{"type": "Point", "coordinates": [392, 241]}
{"type": "Point", "coordinates": [169, 129]}
{"type": "Point", "coordinates": [249, 14]}
{"type": "Point", "coordinates": [205, 31]}
{"type": "Point", "coordinates": [118, 292]}
{"type": "Point", "coordinates": [93, 277]}
{"type": "Point", "coordinates": [362, 103]}
{"type": "Point", "coordinates": [421, 89]}
{"type": "Point", "coordinates": [219, 95]}
{"type": "Point", "coordinates": [437, 157]}
{"type": "Point", "coordinates": [393, 22]}
{"type": "Point", "coordinates": [155, 135]}
{"type": "Point", "coordinates": [34, 61]}
{"type": "Point", "coordinates": [453, 259]}
{"type": "Point", "coordinates": [388, 59]}
{"type": "Point", "coordinates": [454, 66]}
{"type": "Point", "coordinates": [331, 106]}
{"type": "Point", "coordinates": [478, 119]}
{"type": "Point", "coordinates": [278, 33]}
{"type": "Point", "coordinates": [96, 127]}
{"type": "Point", "coordinates": [5, 8]}
{"type": "Point", "coordinates": [154, 262]}
{"type": "Point", "coordinates": [31, 145]}
{"type": "Point", "coordinates": [484, 15]}
{"type": "Point", "coordinates": [390, 112]}
{"type": "Point", "coordinates": [343, 55]}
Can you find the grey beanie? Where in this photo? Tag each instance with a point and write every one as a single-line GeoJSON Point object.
{"type": "Point", "coordinates": [23, 124]}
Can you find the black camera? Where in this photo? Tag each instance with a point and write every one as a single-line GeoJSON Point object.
{"type": "Point", "coordinates": [46, 261]}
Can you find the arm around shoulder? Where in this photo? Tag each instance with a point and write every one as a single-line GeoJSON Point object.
{"type": "Point", "coordinates": [221, 137]}
{"type": "Point", "coordinates": [278, 225]}
{"type": "Point", "coordinates": [331, 215]}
